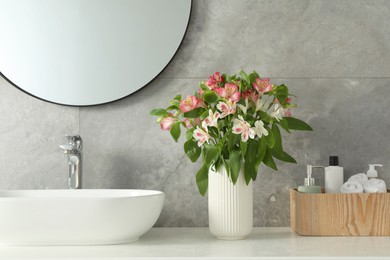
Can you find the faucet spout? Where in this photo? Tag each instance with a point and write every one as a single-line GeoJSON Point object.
{"type": "Point", "coordinates": [73, 153]}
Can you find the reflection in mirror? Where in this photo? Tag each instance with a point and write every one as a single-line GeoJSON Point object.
{"type": "Point", "coordinates": [88, 52]}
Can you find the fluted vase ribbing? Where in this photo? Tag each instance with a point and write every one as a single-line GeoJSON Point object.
{"type": "Point", "coordinates": [230, 206]}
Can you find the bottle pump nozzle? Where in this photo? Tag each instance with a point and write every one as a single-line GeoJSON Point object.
{"type": "Point", "coordinates": [372, 173]}
{"type": "Point", "coordinates": [309, 181]}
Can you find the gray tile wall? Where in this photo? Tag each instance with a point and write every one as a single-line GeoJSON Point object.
{"type": "Point", "coordinates": [334, 55]}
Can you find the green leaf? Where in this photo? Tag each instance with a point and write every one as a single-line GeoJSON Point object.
{"type": "Point", "coordinates": [281, 94]}
{"type": "Point", "coordinates": [283, 156]}
{"type": "Point", "coordinates": [233, 140]}
{"type": "Point", "coordinates": [175, 131]}
{"type": "Point", "coordinates": [221, 124]}
{"type": "Point", "coordinates": [175, 103]}
{"type": "Point", "coordinates": [205, 114]}
{"type": "Point", "coordinates": [282, 99]}
{"type": "Point", "coordinates": [192, 150]}
{"type": "Point", "coordinates": [235, 164]}
{"type": "Point", "coordinates": [297, 124]}
{"type": "Point", "coordinates": [194, 113]}
{"type": "Point", "coordinates": [284, 124]}
{"type": "Point", "coordinates": [177, 97]}
{"type": "Point", "coordinates": [269, 161]}
{"type": "Point", "coordinates": [210, 97]}
{"type": "Point", "coordinates": [261, 151]}
{"type": "Point", "coordinates": [204, 87]}
{"type": "Point", "coordinates": [243, 147]}
{"type": "Point", "coordinates": [241, 102]}
{"type": "Point", "coordinates": [277, 150]}
{"type": "Point", "coordinates": [227, 167]}
{"type": "Point", "coordinates": [218, 163]}
{"type": "Point", "coordinates": [253, 76]}
{"type": "Point", "coordinates": [202, 179]}
{"type": "Point", "coordinates": [270, 139]}
{"type": "Point", "coordinates": [278, 139]}
{"type": "Point", "coordinates": [172, 107]}
{"type": "Point", "coordinates": [281, 90]}
{"type": "Point", "coordinates": [159, 112]}
{"type": "Point", "coordinates": [229, 78]}
{"type": "Point", "coordinates": [248, 172]}
{"type": "Point", "coordinates": [210, 155]}
{"type": "Point", "coordinates": [213, 131]}
{"type": "Point", "coordinates": [245, 77]}
{"type": "Point", "coordinates": [221, 145]}
{"type": "Point", "coordinates": [264, 116]}
{"type": "Point", "coordinates": [250, 168]}
{"type": "Point", "coordinates": [250, 119]}
{"type": "Point", "coordinates": [189, 133]}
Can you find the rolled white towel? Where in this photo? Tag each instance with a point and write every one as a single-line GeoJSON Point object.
{"type": "Point", "coordinates": [360, 177]}
{"type": "Point", "coordinates": [351, 187]}
{"type": "Point", "coordinates": [374, 185]}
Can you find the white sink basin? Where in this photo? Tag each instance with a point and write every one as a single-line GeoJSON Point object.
{"type": "Point", "coordinates": [77, 217]}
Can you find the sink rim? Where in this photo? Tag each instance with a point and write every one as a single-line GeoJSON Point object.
{"type": "Point", "coordinates": [52, 194]}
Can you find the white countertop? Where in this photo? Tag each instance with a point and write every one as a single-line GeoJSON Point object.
{"type": "Point", "coordinates": [198, 243]}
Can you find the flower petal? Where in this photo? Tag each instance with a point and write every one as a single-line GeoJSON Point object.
{"type": "Point", "coordinates": [167, 122]}
{"type": "Point", "coordinates": [235, 97]}
{"type": "Point", "coordinates": [244, 136]}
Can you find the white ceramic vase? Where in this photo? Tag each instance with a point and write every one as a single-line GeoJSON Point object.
{"type": "Point", "coordinates": [230, 206]}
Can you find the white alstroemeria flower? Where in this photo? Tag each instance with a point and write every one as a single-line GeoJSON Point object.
{"type": "Point", "coordinates": [201, 136]}
{"type": "Point", "coordinates": [240, 126]}
{"type": "Point", "coordinates": [260, 105]}
{"type": "Point", "coordinates": [244, 108]}
{"type": "Point", "coordinates": [226, 108]}
{"type": "Point", "coordinates": [211, 120]}
{"type": "Point", "coordinates": [259, 129]}
{"type": "Point", "coordinates": [278, 112]}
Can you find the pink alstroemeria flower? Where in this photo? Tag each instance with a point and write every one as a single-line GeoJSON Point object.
{"type": "Point", "coordinates": [167, 122]}
{"type": "Point", "coordinates": [250, 94]}
{"type": "Point", "coordinates": [201, 136]}
{"type": "Point", "coordinates": [286, 111]}
{"type": "Point", "coordinates": [226, 108]}
{"type": "Point", "coordinates": [262, 85]}
{"type": "Point", "coordinates": [240, 126]}
{"type": "Point", "coordinates": [230, 91]}
{"type": "Point", "coordinates": [211, 120]}
{"type": "Point", "coordinates": [213, 80]}
{"type": "Point", "coordinates": [188, 104]}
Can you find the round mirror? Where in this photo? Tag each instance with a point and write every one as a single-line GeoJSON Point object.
{"type": "Point", "coordinates": [88, 52]}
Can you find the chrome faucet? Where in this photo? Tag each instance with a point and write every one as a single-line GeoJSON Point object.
{"type": "Point", "coordinates": [73, 151]}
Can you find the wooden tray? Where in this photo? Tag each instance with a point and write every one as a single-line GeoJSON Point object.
{"type": "Point", "coordinates": [359, 214]}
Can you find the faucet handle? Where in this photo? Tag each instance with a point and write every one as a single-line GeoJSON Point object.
{"type": "Point", "coordinates": [74, 140]}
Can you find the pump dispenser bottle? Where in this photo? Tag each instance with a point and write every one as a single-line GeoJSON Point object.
{"type": "Point", "coordinates": [310, 186]}
{"type": "Point", "coordinates": [334, 176]}
{"type": "Point", "coordinates": [372, 173]}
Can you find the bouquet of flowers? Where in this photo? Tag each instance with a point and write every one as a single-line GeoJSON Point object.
{"type": "Point", "coordinates": [232, 120]}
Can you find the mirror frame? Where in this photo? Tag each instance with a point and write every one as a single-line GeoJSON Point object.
{"type": "Point", "coordinates": [121, 98]}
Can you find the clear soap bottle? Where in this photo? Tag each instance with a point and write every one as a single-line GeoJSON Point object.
{"type": "Point", "coordinates": [310, 186]}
